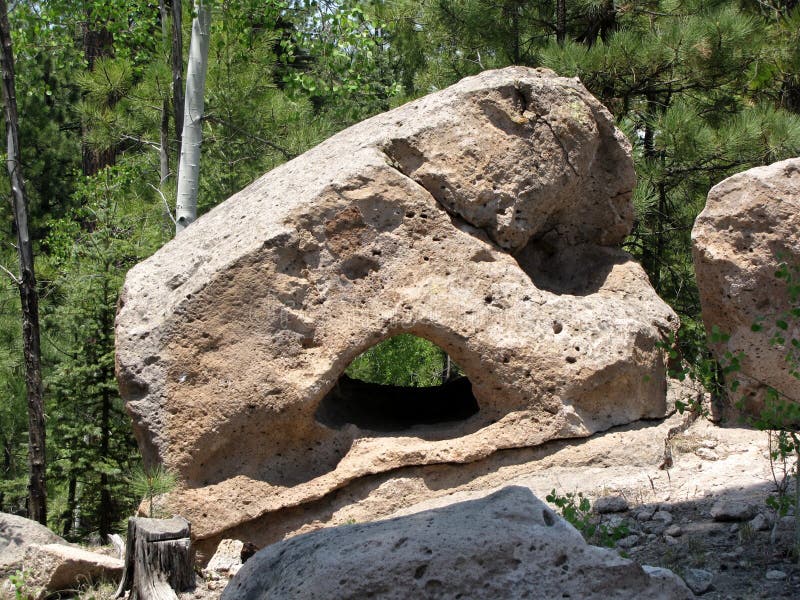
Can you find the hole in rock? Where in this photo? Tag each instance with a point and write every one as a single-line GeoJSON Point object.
{"type": "Point", "coordinates": [395, 385]}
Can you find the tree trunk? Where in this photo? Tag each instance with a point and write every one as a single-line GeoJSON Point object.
{"type": "Point", "coordinates": [790, 93]}
{"type": "Point", "coordinates": [68, 518]}
{"type": "Point", "coordinates": [106, 508]}
{"type": "Point", "coordinates": [107, 513]}
{"type": "Point", "coordinates": [561, 21]}
{"type": "Point", "coordinates": [163, 149]}
{"type": "Point", "coordinates": [177, 70]}
{"type": "Point", "coordinates": [158, 559]}
{"type": "Point", "coordinates": [7, 449]}
{"type": "Point", "coordinates": [189, 167]}
{"type": "Point", "coordinates": [96, 44]}
{"type": "Point", "coordinates": [37, 491]}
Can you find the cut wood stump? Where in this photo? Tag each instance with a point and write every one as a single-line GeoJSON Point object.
{"type": "Point", "coordinates": [158, 559]}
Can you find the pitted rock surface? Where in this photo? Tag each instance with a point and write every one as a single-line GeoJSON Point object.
{"type": "Point", "coordinates": [508, 544]}
{"type": "Point", "coordinates": [486, 218]}
{"type": "Point", "coordinates": [750, 225]}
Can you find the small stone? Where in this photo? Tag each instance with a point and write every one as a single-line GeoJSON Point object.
{"type": "Point", "coordinates": [706, 454]}
{"type": "Point", "coordinates": [698, 580]}
{"type": "Point", "coordinates": [732, 510]}
{"type": "Point", "coordinates": [652, 537]}
{"type": "Point", "coordinates": [645, 513]}
{"type": "Point", "coordinates": [227, 555]}
{"type": "Point", "coordinates": [654, 527]}
{"type": "Point", "coordinates": [775, 575]}
{"type": "Point", "coordinates": [759, 523]}
{"type": "Point", "coordinates": [610, 504]}
{"type": "Point", "coordinates": [734, 528]}
{"type": "Point", "coordinates": [628, 542]}
{"type": "Point", "coordinates": [709, 443]}
{"type": "Point", "coordinates": [663, 516]}
{"type": "Point", "coordinates": [671, 541]}
{"type": "Point", "coordinates": [673, 530]}
{"type": "Point", "coordinates": [614, 521]}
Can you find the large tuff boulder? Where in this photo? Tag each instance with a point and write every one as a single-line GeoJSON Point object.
{"type": "Point", "coordinates": [57, 567]}
{"type": "Point", "coordinates": [16, 535]}
{"type": "Point", "coordinates": [750, 225]}
{"type": "Point", "coordinates": [487, 218]}
{"type": "Point", "coordinates": [508, 544]}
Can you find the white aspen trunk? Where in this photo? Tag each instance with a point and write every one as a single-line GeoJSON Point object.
{"type": "Point", "coordinates": [192, 138]}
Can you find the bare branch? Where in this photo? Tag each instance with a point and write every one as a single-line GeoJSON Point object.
{"type": "Point", "coordinates": [166, 204]}
{"type": "Point", "coordinates": [10, 274]}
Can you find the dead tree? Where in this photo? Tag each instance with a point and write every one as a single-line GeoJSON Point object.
{"type": "Point", "coordinates": [26, 282]}
{"type": "Point", "coordinates": [158, 559]}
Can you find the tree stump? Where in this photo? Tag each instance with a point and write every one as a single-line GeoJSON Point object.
{"type": "Point", "coordinates": [158, 559]}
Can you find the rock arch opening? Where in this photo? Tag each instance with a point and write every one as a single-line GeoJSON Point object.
{"type": "Point", "coordinates": [400, 383]}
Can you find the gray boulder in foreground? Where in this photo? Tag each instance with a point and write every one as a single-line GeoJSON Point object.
{"type": "Point", "coordinates": [505, 545]}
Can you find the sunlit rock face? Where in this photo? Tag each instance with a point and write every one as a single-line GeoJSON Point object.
{"type": "Point", "coordinates": [749, 227]}
{"type": "Point", "coordinates": [486, 217]}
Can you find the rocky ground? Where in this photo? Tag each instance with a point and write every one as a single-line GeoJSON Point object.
{"type": "Point", "coordinates": [705, 517]}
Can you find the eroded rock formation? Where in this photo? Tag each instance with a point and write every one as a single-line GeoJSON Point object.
{"type": "Point", "coordinates": [486, 218]}
{"type": "Point", "coordinates": [750, 225]}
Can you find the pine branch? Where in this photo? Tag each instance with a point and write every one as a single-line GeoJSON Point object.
{"type": "Point", "coordinates": [287, 154]}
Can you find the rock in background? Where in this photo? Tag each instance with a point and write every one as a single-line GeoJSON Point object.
{"type": "Point", "coordinates": [51, 568]}
{"type": "Point", "coordinates": [751, 224]}
{"type": "Point", "coordinates": [16, 534]}
{"type": "Point", "coordinates": [486, 218]}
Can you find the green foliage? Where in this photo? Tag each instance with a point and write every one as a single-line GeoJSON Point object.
{"type": "Point", "coordinates": [402, 360]}
{"type": "Point", "coordinates": [150, 482]}
{"type": "Point", "coordinates": [251, 124]}
{"type": "Point", "coordinates": [577, 510]}
{"type": "Point", "coordinates": [90, 251]}
{"type": "Point", "coordinates": [339, 57]}
{"type": "Point", "coordinates": [19, 580]}
{"type": "Point", "coordinates": [13, 411]}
